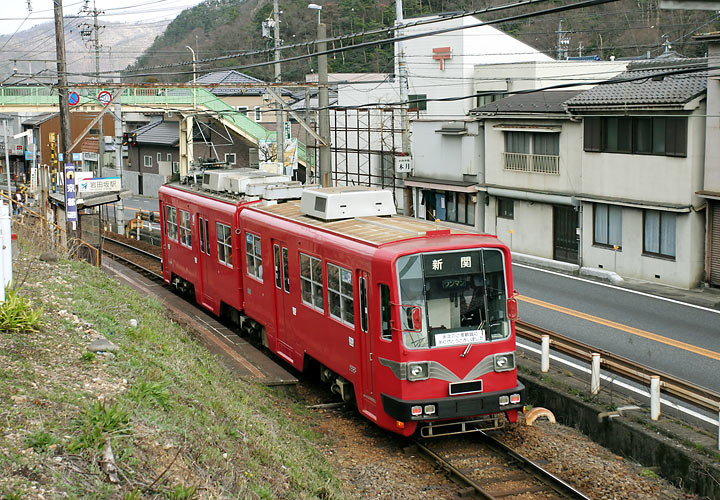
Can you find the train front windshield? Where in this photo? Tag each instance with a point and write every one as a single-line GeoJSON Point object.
{"type": "Point", "coordinates": [453, 298]}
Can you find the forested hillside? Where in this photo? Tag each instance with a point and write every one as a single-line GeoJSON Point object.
{"type": "Point", "coordinates": [625, 28]}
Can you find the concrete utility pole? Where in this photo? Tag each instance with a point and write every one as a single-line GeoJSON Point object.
{"type": "Point", "coordinates": [280, 138]}
{"type": "Point", "coordinates": [324, 111]}
{"type": "Point", "coordinates": [66, 139]}
{"type": "Point", "coordinates": [7, 159]}
{"type": "Point", "coordinates": [402, 76]}
{"type": "Point", "coordinates": [101, 141]}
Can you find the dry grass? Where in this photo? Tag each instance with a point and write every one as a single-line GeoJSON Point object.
{"type": "Point", "coordinates": [180, 424]}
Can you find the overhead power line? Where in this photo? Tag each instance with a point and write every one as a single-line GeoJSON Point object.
{"type": "Point", "coordinates": [553, 10]}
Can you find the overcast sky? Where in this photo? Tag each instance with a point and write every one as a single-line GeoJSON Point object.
{"type": "Point", "coordinates": [13, 13]}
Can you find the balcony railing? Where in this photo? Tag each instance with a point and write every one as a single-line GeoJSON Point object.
{"type": "Point", "coordinates": [524, 162]}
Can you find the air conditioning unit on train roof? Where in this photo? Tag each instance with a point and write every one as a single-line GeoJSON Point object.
{"type": "Point", "coordinates": [346, 202]}
{"type": "Point", "coordinates": [237, 180]}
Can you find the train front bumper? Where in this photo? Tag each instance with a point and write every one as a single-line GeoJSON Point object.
{"type": "Point", "coordinates": [454, 406]}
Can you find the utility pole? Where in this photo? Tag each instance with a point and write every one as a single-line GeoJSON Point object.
{"type": "Point", "coordinates": [280, 135]}
{"type": "Point", "coordinates": [402, 76]}
{"type": "Point", "coordinates": [101, 139]}
{"type": "Point", "coordinates": [563, 42]}
{"type": "Point", "coordinates": [66, 139]}
{"type": "Point", "coordinates": [324, 111]}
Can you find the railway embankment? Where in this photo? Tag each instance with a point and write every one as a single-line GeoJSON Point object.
{"type": "Point", "coordinates": [683, 454]}
{"type": "Point", "coordinates": [153, 416]}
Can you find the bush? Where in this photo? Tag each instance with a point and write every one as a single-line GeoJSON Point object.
{"type": "Point", "coordinates": [16, 315]}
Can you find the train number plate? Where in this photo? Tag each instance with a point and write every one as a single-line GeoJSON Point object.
{"type": "Point", "coordinates": [466, 387]}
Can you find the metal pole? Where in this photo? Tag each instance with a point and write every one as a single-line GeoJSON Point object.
{"type": "Point", "coordinates": [194, 74]}
{"type": "Point", "coordinates": [324, 111]}
{"type": "Point", "coordinates": [402, 76]}
{"type": "Point", "coordinates": [7, 161]}
{"type": "Point", "coordinates": [280, 135]}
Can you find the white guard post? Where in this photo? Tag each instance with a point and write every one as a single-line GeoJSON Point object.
{"type": "Point", "coordinates": [595, 374]}
{"type": "Point", "coordinates": [6, 244]}
{"type": "Point", "coordinates": [545, 354]}
{"type": "Point", "coordinates": [654, 397]}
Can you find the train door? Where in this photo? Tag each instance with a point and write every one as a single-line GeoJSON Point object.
{"type": "Point", "coordinates": [203, 261]}
{"type": "Point", "coordinates": [367, 343]}
{"type": "Point", "coordinates": [284, 311]}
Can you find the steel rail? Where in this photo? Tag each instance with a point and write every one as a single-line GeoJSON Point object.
{"type": "Point", "coordinates": [618, 365]}
{"type": "Point", "coordinates": [133, 248]}
{"type": "Point", "coordinates": [557, 484]}
{"type": "Point", "coordinates": [546, 478]}
{"type": "Point", "coordinates": [455, 472]}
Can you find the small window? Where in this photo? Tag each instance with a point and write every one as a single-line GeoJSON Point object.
{"type": "Point", "coordinates": [659, 233]}
{"type": "Point", "coordinates": [159, 157]}
{"type": "Point", "coordinates": [506, 208]}
{"type": "Point", "coordinates": [417, 102]}
{"type": "Point", "coordinates": [147, 161]}
{"type": "Point", "coordinates": [171, 222]}
{"type": "Point", "coordinates": [340, 294]}
{"type": "Point", "coordinates": [286, 270]}
{"type": "Point", "coordinates": [201, 229]}
{"type": "Point", "coordinates": [311, 281]}
{"type": "Point", "coordinates": [277, 268]}
{"type": "Point", "coordinates": [230, 158]}
{"type": "Point", "coordinates": [607, 225]}
{"type": "Point", "coordinates": [185, 232]}
{"type": "Point", "coordinates": [253, 256]}
{"type": "Point", "coordinates": [243, 110]}
{"type": "Point", "coordinates": [176, 167]}
{"type": "Point", "coordinates": [258, 114]}
{"type": "Point", "coordinates": [207, 236]}
{"type": "Point", "coordinates": [363, 305]}
{"type": "Point", "coordinates": [224, 243]}
{"type": "Point", "coordinates": [385, 314]}
{"type": "Point", "coordinates": [168, 157]}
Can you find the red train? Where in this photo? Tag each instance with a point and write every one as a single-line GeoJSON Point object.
{"type": "Point", "coordinates": [413, 321]}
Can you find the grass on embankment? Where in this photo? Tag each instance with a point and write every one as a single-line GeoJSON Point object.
{"type": "Point", "coordinates": [180, 424]}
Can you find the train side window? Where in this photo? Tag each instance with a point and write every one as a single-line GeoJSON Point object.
{"type": "Point", "coordinates": [286, 270]}
{"type": "Point", "coordinates": [207, 237]}
{"type": "Point", "coordinates": [253, 256]}
{"type": "Point", "coordinates": [385, 312]}
{"type": "Point", "coordinates": [201, 234]}
{"type": "Point", "coordinates": [171, 222]}
{"type": "Point", "coordinates": [224, 243]}
{"type": "Point", "coordinates": [276, 260]}
{"type": "Point", "coordinates": [185, 231]}
{"type": "Point", "coordinates": [363, 305]}
{"type": "Point", "coordinates": [311, 281]}
{"type": "Point", "coordinates": [340, 294]}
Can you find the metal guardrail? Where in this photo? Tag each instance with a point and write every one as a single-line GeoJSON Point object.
{"type": "Point", "coordinates": [696, 395]}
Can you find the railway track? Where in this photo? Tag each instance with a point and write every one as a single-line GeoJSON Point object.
{"type": "Point", "coordinates": [491, 470]}
{"type": "Point", "coordinates": [146, 262]}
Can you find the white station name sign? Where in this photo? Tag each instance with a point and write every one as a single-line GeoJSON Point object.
{"type": "Point", "coordinates": [99, 185]}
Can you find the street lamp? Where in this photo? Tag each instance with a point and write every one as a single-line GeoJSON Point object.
{"type": "Point", "coordinates": [316, 7]}
{"type": "Point", "coordinates": [194, 71]}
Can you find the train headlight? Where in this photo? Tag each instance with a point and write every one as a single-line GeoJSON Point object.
{"type": "Point", "coordinates": [504, 362]}
{"type": "Point", "coordinates": [416, 411]}
{"type": "Point", "coordinates": [417, 371]}
{"type": "Point", "coordinates": [429, 409]}
{"type": "Point", "coordinates": [504, 400]}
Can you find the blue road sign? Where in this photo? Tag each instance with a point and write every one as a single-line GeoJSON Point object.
{"type": "Point", "coordinates": [73, 98]}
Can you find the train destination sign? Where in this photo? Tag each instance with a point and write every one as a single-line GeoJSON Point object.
{"type": "Point", "coordinates": [451, 264]}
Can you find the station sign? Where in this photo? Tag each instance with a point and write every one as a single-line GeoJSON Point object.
{"type": "Point", "coordinates": [70, 201]}
{"type": "Point", "coordinates": [99, 185]}
{"type": "Point", "coordinates": [403, 164]}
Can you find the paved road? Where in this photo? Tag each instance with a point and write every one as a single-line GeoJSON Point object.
{"type": "Point", "coordinates": [668, 335]}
